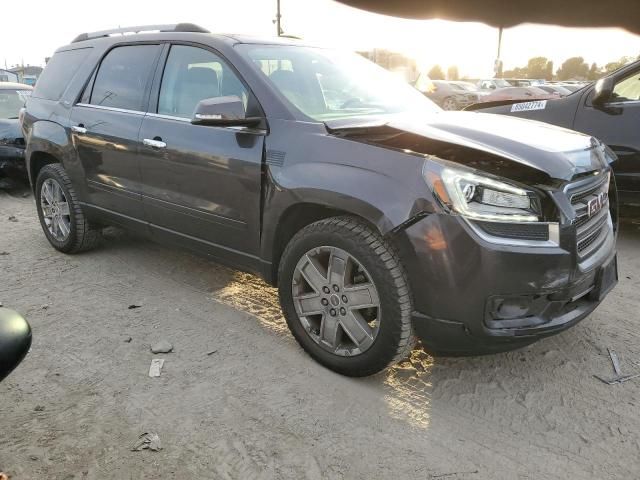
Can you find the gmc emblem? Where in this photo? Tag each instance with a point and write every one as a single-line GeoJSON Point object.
{"type": "Point", "coordinates": [596, 204]}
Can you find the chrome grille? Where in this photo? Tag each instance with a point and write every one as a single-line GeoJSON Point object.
{"type": "Point", "coordinates": [591, 230]}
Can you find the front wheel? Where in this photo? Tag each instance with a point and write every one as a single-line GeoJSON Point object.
{"type": "Point", "coordinates": [346, 297]}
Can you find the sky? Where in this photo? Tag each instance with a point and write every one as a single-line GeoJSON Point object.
{"type": "Point", "coordinates": [470, 46]}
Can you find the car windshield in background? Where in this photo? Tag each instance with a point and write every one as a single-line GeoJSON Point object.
{"type": "Point", "coordinates": [327, 84]}
{"type": "Point", "coordinates": [469, 87]}
{"type": "Point", "coordinates": [11, 101]}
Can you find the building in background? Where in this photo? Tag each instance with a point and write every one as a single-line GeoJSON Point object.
{"type": "Point", "coordinates": [27, 74]}
{"type": "Point", "coordinates": [7, 76]}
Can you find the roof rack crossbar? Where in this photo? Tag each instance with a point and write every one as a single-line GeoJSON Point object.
{"type": "Point", "coordinates": [175, 27]}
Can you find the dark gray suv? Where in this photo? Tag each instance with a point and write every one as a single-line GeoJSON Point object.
{"type": "Point", "coordinates": [379, 216]}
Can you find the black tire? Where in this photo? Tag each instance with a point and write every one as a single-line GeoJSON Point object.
{"type": "Point", "coordinates": [82, 236]}
{"type": "Point", "coordinates": [394, 340]}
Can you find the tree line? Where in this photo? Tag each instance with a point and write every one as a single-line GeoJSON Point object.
{"type": "Point", "coordinates": [574, 68]}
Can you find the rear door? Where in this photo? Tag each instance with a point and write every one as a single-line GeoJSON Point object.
{"type": "Point", "coordinates": [203, 185]}
{"type": "Point", "coordinates": [617, 123]}
{"type": "Point", "coordinates": [105, 126]}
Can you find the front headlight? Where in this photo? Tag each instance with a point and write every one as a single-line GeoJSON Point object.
{"type": "Point", "coordinates": [480, 197]}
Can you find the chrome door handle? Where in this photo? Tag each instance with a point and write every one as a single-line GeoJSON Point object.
{"type": "Point", "coordinates": [78, 129]}
{"type": "Point", "coordinates": [154, 143]}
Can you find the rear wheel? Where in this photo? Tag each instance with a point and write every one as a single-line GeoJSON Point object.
{"type": "Point", "coordinates": [346, 297]}
{"type": "Point", "coordinates": [61, 217]}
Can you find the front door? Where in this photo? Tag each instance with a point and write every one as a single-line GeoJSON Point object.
{"type": "Point", "coordinates": [617, 123]}
{"type": "Point", "coordinates": [201, 184]}
{"type": "Point", "coordinates": [105, 127]}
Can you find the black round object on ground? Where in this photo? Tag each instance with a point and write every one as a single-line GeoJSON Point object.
{"type": "Point", "coordinates": [15, 340]}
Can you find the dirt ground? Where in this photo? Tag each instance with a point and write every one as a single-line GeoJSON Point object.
{"type": "Point", "coordinates": [259, 407]}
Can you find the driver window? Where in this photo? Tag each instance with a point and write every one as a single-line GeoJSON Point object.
{"type": "Point", "coordinates": [192, 74]}
{"type": "Point", "coordinates": [627, 90]}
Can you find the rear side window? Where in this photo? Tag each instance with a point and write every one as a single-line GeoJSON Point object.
{"type": "Point", "coordinates": [123, 77]}
{"type": "Point", "coordinates": [59, 72]}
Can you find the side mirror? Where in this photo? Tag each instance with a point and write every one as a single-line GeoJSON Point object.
{"type": "Point", "coordinates": [602, 91]}
{"type": "Point", "coordinates": [222, 112]}
{"type": "Point", "coordinates": [15, 340]}
{"type": "Point", "coordinates": [492, 86]}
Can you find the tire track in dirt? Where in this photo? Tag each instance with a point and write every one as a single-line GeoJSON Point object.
{"type": "Point", "coordinates": [534, 413]}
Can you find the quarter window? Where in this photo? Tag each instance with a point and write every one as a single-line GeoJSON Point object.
{"type": "Point", "coordinates": [193, 74]}
{"type": "Point", "coordinates": [59, 72]}
{"type": "Point", "coordinates": [627, 90]}
{"type": "Point", "coordinates": [123, 76]}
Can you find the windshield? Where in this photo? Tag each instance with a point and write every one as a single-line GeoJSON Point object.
{"type": "Point", "coordinates": [328, 84]}
{"type": "Point", "coordinates": [11, 101]}
{"type": "Point", "coordinates": [470, 87]}
{"type": "Point", "coordinates": [502, 83]}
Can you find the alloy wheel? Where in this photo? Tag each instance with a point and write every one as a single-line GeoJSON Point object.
{"type": "Point", "coordinates": [449, 104]}
{"type": "Point", "coordinates": [336, 301]}
{"type": "Point", "coordinates": [55, 210]}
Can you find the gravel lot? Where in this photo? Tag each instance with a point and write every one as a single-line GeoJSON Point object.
{"type": "Point", "coordinates": [259, 408]}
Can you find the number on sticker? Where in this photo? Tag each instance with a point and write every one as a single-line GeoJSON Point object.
{"type": "Point", "coordinates": [528, 106]}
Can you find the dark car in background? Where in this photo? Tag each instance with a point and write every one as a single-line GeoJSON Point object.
{"type": "Point", "coordinates": [451, 95]}
{"type": "Point", "coordinates": [378, 215]}
{"type": "Point", "coordinates": [12, 145]}
{"type": "Point", "coordinates": [609, 110]}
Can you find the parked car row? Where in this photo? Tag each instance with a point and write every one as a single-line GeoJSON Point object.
{"type": "Point", "coordinates": [12, 99]}
{"type": "Point", "coordinates": [457, 95]}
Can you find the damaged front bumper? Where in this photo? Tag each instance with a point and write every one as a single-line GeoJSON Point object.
{"type": "Point", "coordinates": [473, 296]}
{"type": "Point", "coordinates": [12, 160]}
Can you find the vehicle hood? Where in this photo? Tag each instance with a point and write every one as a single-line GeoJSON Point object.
{"type": "Point", "coordinates": [506, 146]}
{"type": "Point", "coordinates": [10, 132]}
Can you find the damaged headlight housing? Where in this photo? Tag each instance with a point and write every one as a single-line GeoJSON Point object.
{"type": "Point", "coordinates": [483, 198]}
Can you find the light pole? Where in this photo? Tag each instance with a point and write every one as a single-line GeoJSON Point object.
{"type": "Point", "coordinates": [278, 16]}
{"type": "Point", "coordinates": [497, 65]}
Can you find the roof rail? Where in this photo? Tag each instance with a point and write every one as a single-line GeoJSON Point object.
{"type": "Point", "coordinates": [176, 27]}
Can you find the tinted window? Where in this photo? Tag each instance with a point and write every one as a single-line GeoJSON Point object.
{"type": "Point", "coordinates": [123, 76]}
{"type": "Point", "coordinates": [58, 73]}
{"type": "Point", "coordinates": [193, 74]}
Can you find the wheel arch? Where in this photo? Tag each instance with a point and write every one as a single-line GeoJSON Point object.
{"type": "Point", "coordinates": [38, 160]}
{"type": "Point", "coordinates": [297, 216]}
{"type": "Point", "coordinates": [47, 142]}
{"type": "Point", "coordinates": [303, 193]}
